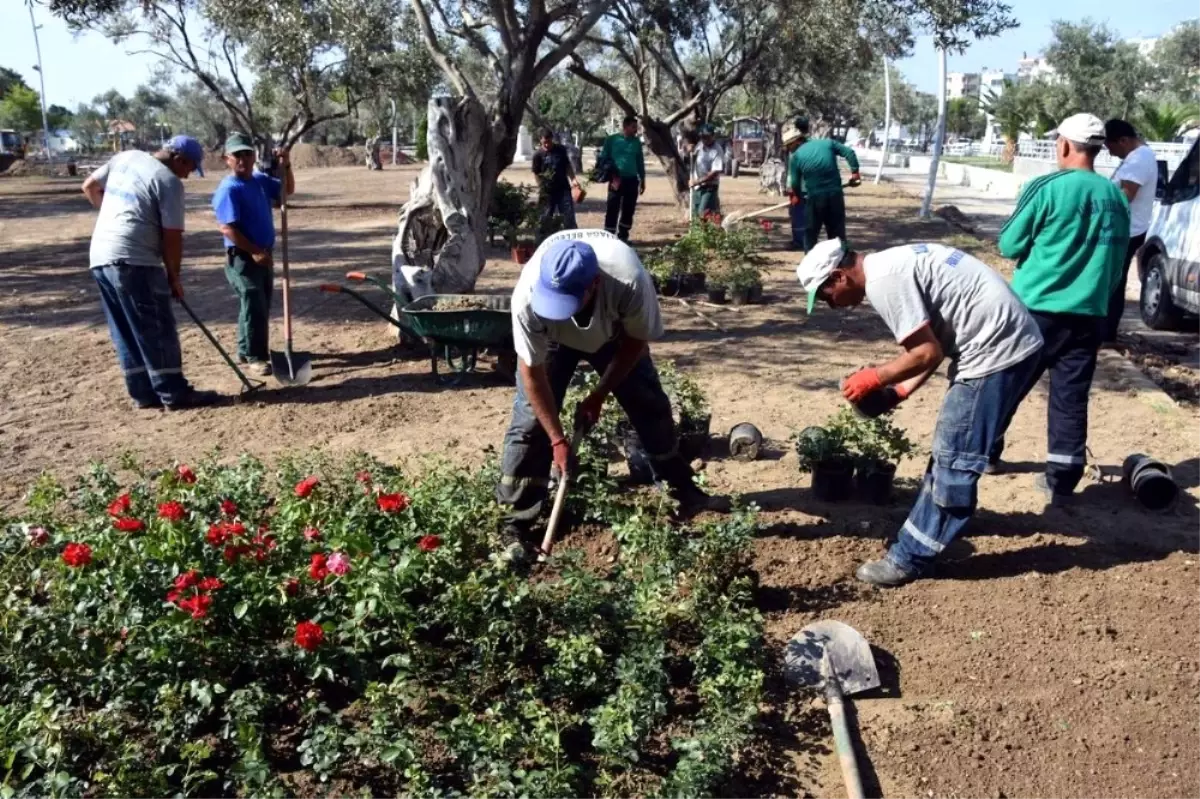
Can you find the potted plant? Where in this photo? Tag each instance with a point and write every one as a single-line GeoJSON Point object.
{"type": "Point", "coordinates": [661, 266]}
{"type": "Point", "coordinates": [741, 281]}
{"type": "Point", "coordinates": [508, 211]}
{"type": "Point", "coordinates": [823, 453]}
{"type": "Point", "coordinates": [690, 407]}
{"type": "Point", "coordinates": [877, 446]}
{"type": "Point", "coordinates": [718, 282]}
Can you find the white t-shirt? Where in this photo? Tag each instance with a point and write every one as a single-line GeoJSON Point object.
{"type": "Point", "coordinates": [982, 325]}
{"type": "Point", "coordinates": [1140, 167]}
{"type": "Point", "coordinates": [707, 160]}
{"type": "Point", "coordinates": [625, 301]}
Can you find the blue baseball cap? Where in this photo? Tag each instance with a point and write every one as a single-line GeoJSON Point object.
{"type": "Point", "coordinates": [189, 148]}
{"type": "Point", "coordinates": [567, 269]}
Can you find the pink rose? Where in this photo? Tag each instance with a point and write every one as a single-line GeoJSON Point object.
{"type": "Point", "coordinates": [338, 563]}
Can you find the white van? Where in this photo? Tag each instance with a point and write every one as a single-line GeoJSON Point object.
{"type": "Point", "coordinates": [1169, 261]}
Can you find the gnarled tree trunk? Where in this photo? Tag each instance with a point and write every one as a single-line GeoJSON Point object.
{"type": "Point", "coordinates": [373, 144]}
{"type": "Point", "coordinates": [662, 144]}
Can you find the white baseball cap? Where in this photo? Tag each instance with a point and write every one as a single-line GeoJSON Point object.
{"type": "Point", "coordinates": [817, 266]}
{"type": "Point", "coordinates": [1082, 129]}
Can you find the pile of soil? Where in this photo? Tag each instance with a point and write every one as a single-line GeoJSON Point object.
{"type": "Point", "coordinates": [318, 155]}
{"type": "Point", "coordinates": [16, 168]}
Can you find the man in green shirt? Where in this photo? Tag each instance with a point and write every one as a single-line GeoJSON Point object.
{"type": "Point", "coordinates": [815, 164]}
{"type": "Point", "coordinates": [1068, 236]}
{"type": "Point", "coordinates": [627, 180]}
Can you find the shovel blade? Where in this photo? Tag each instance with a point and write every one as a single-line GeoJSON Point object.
{"type": "Point", "coordinates": [294, 371]}
{"type": "Point", "coordinates": [850, 658]}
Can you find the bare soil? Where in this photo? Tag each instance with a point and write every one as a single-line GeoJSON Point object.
{"type": "Point", "coordinates": [1054, 653]}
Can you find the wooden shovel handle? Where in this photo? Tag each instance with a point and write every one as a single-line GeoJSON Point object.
{"type": "Point", "coordinates": [842, 741]}
{"type": "Point", "coordinates": [560, 500]}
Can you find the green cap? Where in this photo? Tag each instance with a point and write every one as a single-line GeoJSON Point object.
{"type": "Point", "coordinates": [238, 143]}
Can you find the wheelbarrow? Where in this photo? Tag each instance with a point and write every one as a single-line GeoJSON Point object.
{"type": "Point", "coordinates": [406, 332]}
{"type": "Point", "coordinates": [458, 326]}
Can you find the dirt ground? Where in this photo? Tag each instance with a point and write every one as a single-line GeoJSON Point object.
{"type": "Point", "coordinates": [1053, 653]}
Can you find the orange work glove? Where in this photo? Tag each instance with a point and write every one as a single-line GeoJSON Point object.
{"type": "Point", "coordinates": [860, 384]}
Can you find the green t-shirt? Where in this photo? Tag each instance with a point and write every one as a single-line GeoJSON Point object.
{"type": "Point", "coordinates": [626, 154]}
{"type": "Point", "coordinates": [1068, 236]}
{"type": "Point", "coordinates": [816, 162]}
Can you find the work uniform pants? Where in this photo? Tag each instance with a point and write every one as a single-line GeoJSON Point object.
{"type": "Point", "coordinates": [137, 305]}
{"type": "Point", "coordinates": [974, 416]}
{"type": "Point", "coordinates": [622, 202]}
{"type": "Point", "coordinates": [1072, 341]}
{"type": "Point", "coordinates": [828, 212]}
{"type": "Point", "coordinates": [525, 464]}
{"type": "Point", "coordinates": [557, 203]}
{"type": "Point", "coordinates": [797, 215]}
{"type": "Point", "coordinates": [705, 200]}
{"type": "Point", "coordinates": [254, 284]}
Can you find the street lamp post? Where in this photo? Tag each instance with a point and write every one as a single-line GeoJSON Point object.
{"type": "Point", "coordinates": [42, 78]}
{"type": "Point", "coordinates": [393, 102]}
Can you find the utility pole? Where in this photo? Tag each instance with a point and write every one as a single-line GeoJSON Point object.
{"type": "Point", "coordinates": [393, 102]}
{"type": "Point", "coordinates": [42, 78]}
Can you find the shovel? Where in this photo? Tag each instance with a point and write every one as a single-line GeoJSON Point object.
{"type": "Point", "coordinates": [290, 369]}
{"type": "Point", "coordinates": [836, 658]}
{"type": "Point", "coordinates": [248, 385]}
{"type": "Point", "coordinates": [560, 500]}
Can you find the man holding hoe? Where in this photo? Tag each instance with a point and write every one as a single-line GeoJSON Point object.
{"type": "Point", "coordinates": [584, 296]}
{"type": "Point", "coordinates": [814, 164]}
{"type": "Point", "coordinates": [243, 203]}
{"type": "Point", "coordinates": [939, 303]}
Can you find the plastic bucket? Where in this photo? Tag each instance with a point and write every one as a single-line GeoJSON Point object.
{"type": "Point", "coordinates": [745, 440]}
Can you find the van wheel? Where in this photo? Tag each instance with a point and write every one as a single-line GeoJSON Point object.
{"type": "Point", "coordinates": [1158, 311]}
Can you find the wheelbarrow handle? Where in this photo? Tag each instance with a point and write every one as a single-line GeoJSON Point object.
{"type": "Point", "coordinates": [358, 276]}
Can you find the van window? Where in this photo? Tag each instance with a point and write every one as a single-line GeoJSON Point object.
{"type": "Point", "coordinates": [1185, 183]}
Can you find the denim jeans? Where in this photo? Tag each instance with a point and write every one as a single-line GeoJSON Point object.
{"type": "Point", "coordinates": [254, 284]}
{"type": "Point", "coordinates": [705, 200]}
{"type": "Point", "coordinates": [1072, 342]}
{"type": "Point", "coordinates": [525, 464]}
{"type": "Point", "coordinates": [561, 204]}
{"type": "Point", "coordinates": [974, 415]}
{"type": "Point", "coordinates": [137, 304]}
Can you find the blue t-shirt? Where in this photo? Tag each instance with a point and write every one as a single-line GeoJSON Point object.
{"type": "Point", "coordinates": [246, 204]}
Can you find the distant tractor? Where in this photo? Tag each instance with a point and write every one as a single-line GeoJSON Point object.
{"type": "Point", "coordinates": [747, 143]}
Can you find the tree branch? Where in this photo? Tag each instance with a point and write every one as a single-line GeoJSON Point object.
{"type": "Point", "coordinates": [566, 47]}
{"type": "Point", "coordinates": [580, 71]}
{"type": "Point", "coordinates": [452, 72]}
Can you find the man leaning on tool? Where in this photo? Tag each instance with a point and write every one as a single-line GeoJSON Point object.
{"type": "Point", "coordinates": [939, 303]}
{"type": "Point", "coordinates": [1068, 235]}
{"type": "Point", "coordinates": [814, 163]}
{"type": "Point", "coordinates": [139, 230]}
{"type": "Point", "coordinates": [243, 203]}
{"type": "Point", "coordinates": [584, 296]}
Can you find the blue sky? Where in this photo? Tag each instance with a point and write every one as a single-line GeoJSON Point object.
{"type": "Point", "coordinates": [78, 68]}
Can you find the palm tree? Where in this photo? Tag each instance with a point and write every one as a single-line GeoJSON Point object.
{"type": "Point", "coordinates": [1162, 121]}
{"type": "Point", "coordinates": [1012, 112]}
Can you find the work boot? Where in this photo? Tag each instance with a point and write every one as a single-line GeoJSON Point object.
{"type": "Point", "coordinates": [154, 405]}
{"type": "Point", "coordinates": [994, 467]}
{"type": "Point", "coordinates": [693, 500]}
{"type": "Point", "coordinates": [884, 573]}
{"type": "Point", "coordinates": [1053, 498]}
{"type": "Point", "coordinates": [513, 550]}
{"type": "Point", "coordinates": [195, 398]}
{"type": "Point", "coordinates": [259, 368]}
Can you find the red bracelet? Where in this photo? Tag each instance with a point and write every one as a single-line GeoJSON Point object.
{"type": "Point", "coordinates": [557, 441]}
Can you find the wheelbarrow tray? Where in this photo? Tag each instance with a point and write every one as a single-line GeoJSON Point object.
{"type": "Point", "coordinates": [435, 317]}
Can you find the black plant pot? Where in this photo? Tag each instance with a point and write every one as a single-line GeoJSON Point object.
{"type": "Point", "coordinates": [756, 293]}
{"type": "Point", "coordinates": [693, 436]}
{"type": "Point", "coordinates": [873, 481]}
{"type": "Point", "coordinates": [692, 283]}
{"type": "Point", "coordinates": [739, 296]}
{"type": "Point", "coordinates": [716, 294]}
{"type": "Point", "coordinates": [636, 458]}
{"type": "Point", "coordinates": [833, 480]}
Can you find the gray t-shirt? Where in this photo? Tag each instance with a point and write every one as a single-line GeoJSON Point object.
{"type": "Point", "coordinates": [141, 199]}
{"type": "Point", "coordinates": [982, 325]}
{"type": "Point", "coordinates": [625, 301]}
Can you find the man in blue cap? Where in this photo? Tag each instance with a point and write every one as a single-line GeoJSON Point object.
{"type": "Point", "coordinates": [242, 204]}
{"type": "Point", "coordinates": [138, 232]}
{"type": "Point", "coordinates": [584, 296]}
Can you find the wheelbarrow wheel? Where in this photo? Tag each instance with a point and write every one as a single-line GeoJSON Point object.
{"type": "Point", "coordinates": [460, 360]}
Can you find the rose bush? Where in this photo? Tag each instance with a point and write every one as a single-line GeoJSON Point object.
{"type": "Point", "coordinates": [223, 648]}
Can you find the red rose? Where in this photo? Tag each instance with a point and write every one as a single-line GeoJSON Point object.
{"type": "Point", "coordinates": [172, 511]}
{"type": "Point", "coordinates": [230, 554]}
{"type": "Point", "coordinates": [197, 605]}
{"type": "Point", "coordinates": [392, 503]}
{"type": "Point", "coordinates": [309, 635]}
{"type": "Point", "coordinates": [229, 507]}
{"type": "Point", "coordinates": [317, 568]}
{"type": "Point", "coordinates": [187, 579]}
{"type": "Point", "coordinates": [312, 534]}
{"type": "Point", "coordinates": [185, 474]}
{"type": "Point", "coordinates": [128, 524]}
{"type": "Point", "coordinates": [210, 584]}
{"type": "Point", "coordinates": [120, 505]}
{"type": "Point", "coordinates": [306, 486]}
{"type": "Point", "coordinates": [173, 595]}
{"type": "Point", "coordinates": [428, 543]}
{"type": "Point", "coordinates": [291, 586]}
{"type": "Point", "coordinates": [217, 534]}
{"type": "Point", "coordinates": [77, 555]}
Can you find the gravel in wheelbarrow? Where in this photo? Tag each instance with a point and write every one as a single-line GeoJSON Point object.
{"type": "Point", "coordinates": [461, 325]}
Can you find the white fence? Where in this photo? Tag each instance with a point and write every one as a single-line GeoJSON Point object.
{"type": "Point", "coordinates": [1043, 150]}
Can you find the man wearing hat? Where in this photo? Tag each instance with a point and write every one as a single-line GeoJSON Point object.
{"type": "Point", "coordinates": [1068, 235]}
{"type": "Point", "coordinates": [584, 296]}
{"type": "Point", "coordinates": [242, 204]}
{"type": "Point", "coordinates": [708, 162]}
{"type": "Point", "coordinates": [138, 232]}
{"type": "Point", "coordinates": [938, 303]}
{"type": "Point", "coordinates": [813, 166]}
{"type": "Point", "coordinates": [792, 138]}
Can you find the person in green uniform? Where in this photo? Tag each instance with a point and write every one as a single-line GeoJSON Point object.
{"type": "Point", "coordinates": [813, 167]}
{"type": "Point", "coordinates": [627, 181]}
{"type": "Point", "coordinates": [1068, 235]}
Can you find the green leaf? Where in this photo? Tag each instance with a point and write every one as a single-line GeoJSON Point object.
{"type": "Point", "coordinates": [239, 610]}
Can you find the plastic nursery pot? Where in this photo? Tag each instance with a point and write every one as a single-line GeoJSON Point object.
{"type": "Point", "coordinates": [521, 253]}
{"type": "Point", "coordinates": [873, 481]}
{"type": "Point", "coordinates": [716, 294]}
{"type": "Point", "coordinates": [693, 436]}
{"type": "Point", "coordinates": [745, 441]}
{"type": "Point", "coordinates": [668, 287]}
{"type": "Point", "coordinates": [692, 283]}
{"type": "Point", "coordinates": [1150, 481]}
{"type": "Point", "coordinates": [756, 293]}
{"type": "Point", "coordinates": [739, 296]}
{"type": "Point", "coordinates": [636, 458]}
{"type": "Point", "coordinates": [833, 480]}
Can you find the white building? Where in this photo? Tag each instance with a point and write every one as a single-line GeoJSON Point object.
{"type": "Point", "coordinates": [1031, 69]}
{"type": "Point", "coordinates": [991, 86]}
{"type": "Point", "coordinates": [962, 84]}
